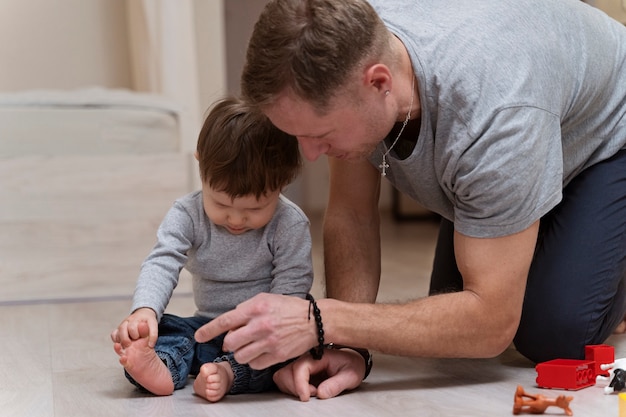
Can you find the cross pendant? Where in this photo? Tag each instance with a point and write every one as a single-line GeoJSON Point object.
{"type": "Point", "coordinates": [384, 165]}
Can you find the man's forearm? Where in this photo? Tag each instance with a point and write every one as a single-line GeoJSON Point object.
{"type": "Point", "coordinates": [351, 258]}
{"type": "Point", "coordinates": [446, 325]}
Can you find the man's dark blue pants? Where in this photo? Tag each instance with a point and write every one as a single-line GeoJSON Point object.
{"type": "Point", "coordinates": [576, 290]}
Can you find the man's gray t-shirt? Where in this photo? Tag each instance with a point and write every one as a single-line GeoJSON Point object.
{"type": "Point", "coordinates": [518, 97]}
{"type": "Point", "coordinates": [226, 269]}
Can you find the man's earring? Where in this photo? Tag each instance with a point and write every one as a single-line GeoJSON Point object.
{"type": "Point", "coordinates": [387, 92]}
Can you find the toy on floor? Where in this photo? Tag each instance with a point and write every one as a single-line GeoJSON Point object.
{"type": "Point", "coordinates": [537, 403]}
{"type": "Point", "coordinates": [600, 354]}
{"type": "Point", "coordinates": [622, 405]}
{"type": "Point", "coordinates": [569, 374]}
{"type": "Point", "coordinates": [618, 382]}
{"type": "Point", "coordinates": [616, 379]}
{"type": "Point", "coordinates": [574, 374]}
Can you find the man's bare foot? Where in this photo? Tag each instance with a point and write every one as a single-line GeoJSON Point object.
{"type": "Point", "coordinates": [144, 365]}
{"type": "Point", "coordinates": [621, 328]}
{"type": "Point", "coordinates": [214, 380]}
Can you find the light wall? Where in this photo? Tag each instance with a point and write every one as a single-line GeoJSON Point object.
{"type": "Point", "coordinates": [71, 44]}
{"type": "Point", "coordinates": [63, 44]}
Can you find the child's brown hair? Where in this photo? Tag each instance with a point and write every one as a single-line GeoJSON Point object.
{"type": "Point", "coordinates": [241, 153]}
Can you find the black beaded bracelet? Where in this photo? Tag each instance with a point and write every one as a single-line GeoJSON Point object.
{"type": "Point", "coordinates": [318, 351]}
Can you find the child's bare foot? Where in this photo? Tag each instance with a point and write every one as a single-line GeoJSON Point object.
{"type": "Point", "coordinates": [214, 380]}
{"type": "Point", "coordinates": [144, 365]}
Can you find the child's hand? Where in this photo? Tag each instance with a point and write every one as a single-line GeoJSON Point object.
{"type": "Point", "coordinates": [128, 330]}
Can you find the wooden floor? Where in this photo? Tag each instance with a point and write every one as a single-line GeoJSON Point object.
{"type": "Point", "coordinates": [63, 294]}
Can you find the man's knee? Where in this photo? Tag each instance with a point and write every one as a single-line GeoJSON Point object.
{"type": "Point", "coordinates": [549, 340]}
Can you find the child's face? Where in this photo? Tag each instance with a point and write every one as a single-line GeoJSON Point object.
{"type": "Point", "coordinates": [241, 214]}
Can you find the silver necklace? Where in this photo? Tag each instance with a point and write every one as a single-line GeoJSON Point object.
{"type": "Point", "coordinates": [384, 165]}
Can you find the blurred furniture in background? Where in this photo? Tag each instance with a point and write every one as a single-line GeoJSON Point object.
{"type": "Point", "coordinates": [403, 208]}
{"type": "Point", "coordinates": [85, 178]}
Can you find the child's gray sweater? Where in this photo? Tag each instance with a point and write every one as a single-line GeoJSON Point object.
{"type": "Point", "coordinates": [226, 269]}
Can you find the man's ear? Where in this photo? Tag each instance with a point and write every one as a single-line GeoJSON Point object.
{"type": "Point", "coordinates": [379, 77]}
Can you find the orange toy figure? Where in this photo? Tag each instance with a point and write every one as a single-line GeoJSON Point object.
{"type": "Point", "coordinates": [537, 404]}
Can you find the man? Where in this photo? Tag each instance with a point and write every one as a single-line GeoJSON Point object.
{"type": "Point", "coordinates": [507, 118]}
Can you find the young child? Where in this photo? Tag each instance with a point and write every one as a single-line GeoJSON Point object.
{"type": "Point", "coordinates": [238, 237]}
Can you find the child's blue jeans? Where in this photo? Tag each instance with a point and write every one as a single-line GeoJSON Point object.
{"type": "Point", "coordinates": [183, 356]}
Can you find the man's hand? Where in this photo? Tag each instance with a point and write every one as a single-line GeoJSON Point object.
{"type": "Point", "coordinates": [128, 330]}
{"type": "Point", "coordinates": [336, 372]}
{"type": "Point", "coordinates": [264, 330]}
